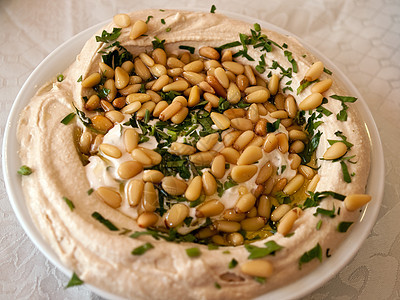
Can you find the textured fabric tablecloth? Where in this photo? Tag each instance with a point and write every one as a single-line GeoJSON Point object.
{"type": "Point", "coordinates": [361, 37]}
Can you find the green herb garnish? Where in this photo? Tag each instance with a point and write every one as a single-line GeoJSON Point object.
{"type": "Point", "coordinates": [315, 252]}
{"type": "Point", "coordinates": [325, 212]}
{"type": "Point", "coordinates": [327, 71]}
{"type": "Point", "coordinates": [90, 191]}
{"type": "Point", "coordinates": [213, 8]}
{"type": "Point", "coordinates": [162, 21]}
{"type": "Point", "coordinates": [188, 48]}
{"type": "Point", "coordinates": [193, 252]}
{"type": "Point", "coordinates": [69, 203]}
{"type": "Point", "coordinates": [24, 170]}
{"type": "Point", "coordinates": [258, 252]}
{"type": "Point", "coordinates": [233, 263]}
{"type": "Point", "coordinates": [318, 227]}
{"type": "Point", "coordinates": [148, 19]}
{"type": "Point", "coordinates": [60, 77]}
{"type": "Point", "coordinates": [342, 115]}
{"type": "Point", "coordinates": [79, 79]}
{"type": "Point", "coordinates": [75, 280]}
{"type": "Point", "coordinates": [109, 37]}
{"type": "Point", "coordinates": [104, 221]}
{"type": "Point", "coordinates": [260, 280]}
{"type": "Point", "coordinates": [217, 285]}
{"type": "Point", "coordinates": [344, 226]}
{"type": "Point", "coordinates": [68, 118]}
{"type": "Point", "coordinates": [142, 249]}
{"type": "Point", "coordinates": [157, 43]}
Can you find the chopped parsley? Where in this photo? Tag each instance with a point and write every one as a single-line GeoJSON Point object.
{"type": "Point", "coordinates": [217, 285]}
{"type": "Point", "coordinates": [60, 77]}
{"type": "Point", "coordinates": [68, 118]}
{"type": "Point", "coordinates": [104, 221]}
{"type": "Point", "coordinates": [322, 109]}
{"type": "Point", "coordinates": [318, 227]}
{"type": "Point", "coordinates": [109, 37]}
{"type": "Point", "coordinates": [257, 252]}
{"type": "Point", "coordinates": [316, 198]}
{"type": "Point", "coordinates": [329, 72]}
{"type": "Point", "coordinates": [290, 58]}
{"type": "Point", "coordinates": [75, 280]}
{"type": "Point", "coordinates": [125, 231]}
{"type": "Point", "coordinates": [308, 256]}
{"type": "Point", "coordinates": [212, 247]}
{"type": "Point", "coordinates": [188, 48]}
{"type": "Point", "coordinates": [69, 203]}
{"type": "Point", "coordinates": [233, 263]}
{"type": "Point", "coordinates": [344, 226]}
{"type": "Point", "coordinates": [259, 279]}
{"type": "Point", "coordinates": [213, 8]}
{"type": "Point", "coordinates": [193, 252]}
{"type": "Point", "coordinates": [24, 170]}
{"type": "Point", "coordinates": [162, 21]}
{"type": "Point", "coordinates": [304, 84]}
{"type": "Point", "coordinates": [226, 186]}
{"type": "Point", "coordinates": [157, 43]}
{"type": "Point", "coordinates": [79, 79]}
{"type": "Point", "coordinates": [142, 249]}
{"type": "Point", "coordinates": [325, 212]}
{"type": "Point", "coordinates": [342, 115]}
{"type": "Point", "coordinates": [271, 127]}
{"type": "Point", "coordinates": [148, 19]}
{"type": "Point", "coordinates": [343, 140]}
{"type": "Point", "coordinates": [90, 191]}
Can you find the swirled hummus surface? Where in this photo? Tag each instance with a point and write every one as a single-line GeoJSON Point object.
{"type": "Point", "coordinates": [101, 240]}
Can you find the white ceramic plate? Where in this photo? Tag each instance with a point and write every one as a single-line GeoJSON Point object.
{"type": "Point", "coordinates": [65, 54]}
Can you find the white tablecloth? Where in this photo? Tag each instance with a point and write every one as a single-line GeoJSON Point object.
{"type": "Point", "coordinates": [361, 37]}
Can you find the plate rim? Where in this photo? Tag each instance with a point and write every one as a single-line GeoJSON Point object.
{"type": "Point", "coordinates": [302, 286]}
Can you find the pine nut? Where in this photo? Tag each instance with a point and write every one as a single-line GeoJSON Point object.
{"type": "Point", "coordinates": [153, 176]}
{"type": "Point", "coordinates": [194, 96]}
{"type": "Point", "coordinates": [106, 106]}
{"type": "Point", "coordinates": [279, 185]}
{"type": "Point", "coordinates": [174, 186]}
{"type": "Point", "coordinates": [206, 87]}
{"type": "Point", "coordinates": [321, 86]}
{"type": "Point", "coordinates": [110, 150]}
{"type": "Point", "coordinates": [233, 113]}
{"type": "Point", "coordinates": [306, 171]}
{"type": "Point", "coordinates": [206, 233]}
{"type": "Point", "coordinates": [270, 107]}
{"type": "Point", "coordinates": [91, 80]}
{"type": "Point", "coordinates": [265, 173]}
{"type": "Point", "coordinates": [243, 173]}
{"type": "Point", "coordinates": [242, 124]}
{"type": "Point", "coordinates": [121, 78]}
{"type": "Point", "coordinates": [287, 122]}
{"type": "Point", "coordinates": [130, 89]}
{"type": "Point", "coordinates": [140, 97]}
{"type": "Point", "coordinates": [295, 161]}
{"type": "Point", "coordinates": [173, 62]}
{"type": "Point", "coordinates": [260, 96]}
{"type": "Point", "coordinates": [234, 67]}
{"type": "Point", "coordinates": [296, 147]}
{"type": "Point", "coordinates": [194, 189]}
{"type": "Point", "coordinates": [122, 20]}
{"type": "Point", "coordinates": [93, 103]}
{"type": "Point", "coordinates": [311, 102]}
{"type": "Point", "coordinates": [175, 216]}
{"type": "Point", "coordinates": [233, 94]}
{"type": "Point", "coordinates": [141, 70]}
{"type": "Point", "coordinates": [243, 140]}
{"type": "Point", "coordinates": [149, 105]}
{"type": "Point", "coordinates": [159, 108]}
{"type": "Point", "coordinates": [279, 114]}
{"type": "Point", "coordinates": [248, 72]}
{"type": "Point", "coordinates": [219, 240]}
{"type": "Point", "coordinates": [273, 84]}
{"type": "Point", "coordinates": [147, 60]}
{"type": "Point", "coordinates": [139, 156]}
{"type": "Point", "coordinates": [279, 212]}
{"type": "Point", "coordinates": [221, 76]}
{"type": "Point", "coordinates": [134, 79]}
{"type": "Point", "coordinates": [179, 86]}
{"type": "Point", "coordinates": [109, 196]}
{"type": "Point", "coordinates": [194, 78]}
{"type": "Point", "coordinates": [283, 143]}
{"type": "Point", "coordinates": [194, 66]}
{"type": "Point", "coordinates": [291, 106]}
{"type": "Point", "coordinates": [181, 149]}
{"type": "Point", "coordinates": [235, 239]}
{"type": "Point", "coordinates": [268, 186]}
{"type": "Point", "coordinates": [147, 219]}
{"type": "Point", "coordinates": [106, 70]}
{"type": "Point", "coordinates": [203, 158]}
{"type": "Point", "coordinates": [296, 134]}
{"type": "Point", "coordinates": [259, 268]}
{"type": "Point", "coordinates": [131, 108]}
{"type": "Point", "coordinates": [138, 29]}
{"type": "Point", "coordinates": [250, 155]}
{"type": "Point", "coordinates": [232, 215]}
{"type": "Point", "coordinates": [185, 58]}
{"type": "Point", "coordinates": [119, 102]}
{"type": "Point", "coordinates": [169, 111]}
{"type": "Point", "coordinates": [253, 89]}
{"type": "Point", "coordinates": [294, 185]}
{"type": "Point", "coordinates": [227, 226]}
{"type": "Point", "coordinates": [214, 83]}
{"type": "Point", "coordinates": [245, 203]}
{"type": "Point", "coordinates": [226, 56]}
{"type": "Point", "coordinates": [209, 208]}
{"type": "Point", "coordinates": [271, 142]}
{"type": "Point", "coordinates": [218, 166]}
{"type": "Point", "coordinates": [335, 151]}
{"type": "Point", "coordinates": [175, 72]}
{"type": "Point", "coordinates": [180, 116]}
{"type": "Point", "coordinates": [155, 157]}
{"type": "Point", "coordinates": [257, 141]}
{"type": "Point", "coordinates": [242, 82]}
{"type": "Point", "coordinates": [220, 120]}
{"type": "Point", "coordinates": [231, 137]}
{"type": "Point", "coordinates": [209, 52]}
{"type": "Point", "coordinates": [159, 56]}
{"type": "Point", "coordinates": [96, 143]}
{"type": "Point", "coordinates": [356, 201]}
{"type": "Point", "coordinates": [252, 113]}
{"type": "Point", "coordinates": [150, 198]}
{"type": "Point", "coordinates": [261, 127]}
{"type": "Point", "coordinates": [212, 99]}
{"type": "Point", "coordinates": [85, 141]}
{"type": "Point", "coordinates": [314, 71]}
{"type": "Point", "coordinates": [207, 142]}
{"type": "Point", "coordinates": [212, 63]}
{"type": "Point", "coordinates": [264, 206]}
{"type": "Point", "coordinates": [129, 169]}
{"type": "Point", "coordinates": [209, 184]}
{"type": "Point", "coordinates": [313, 183]}
{"type": "Point", "coordinates": [128, 67]}
{"type": "Point", "coordinates": [155, 97]}
{"type": "Point", "coordinates": [252, 224]}
{"type": "Point", "coordinates": [114, 116]}
{"type": "Point", "coordinates": [160, 83]}
{"type": "Point", "coordinates": [287, 221]}
{"type": "Point", "coordinates": [231, 155]}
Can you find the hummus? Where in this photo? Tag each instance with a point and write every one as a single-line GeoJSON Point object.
{"type": "Point", "coordinates": [93, 236]}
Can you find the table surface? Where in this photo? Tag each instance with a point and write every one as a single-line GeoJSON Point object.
{"type": "Point", "coordinates": [362, 37]}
